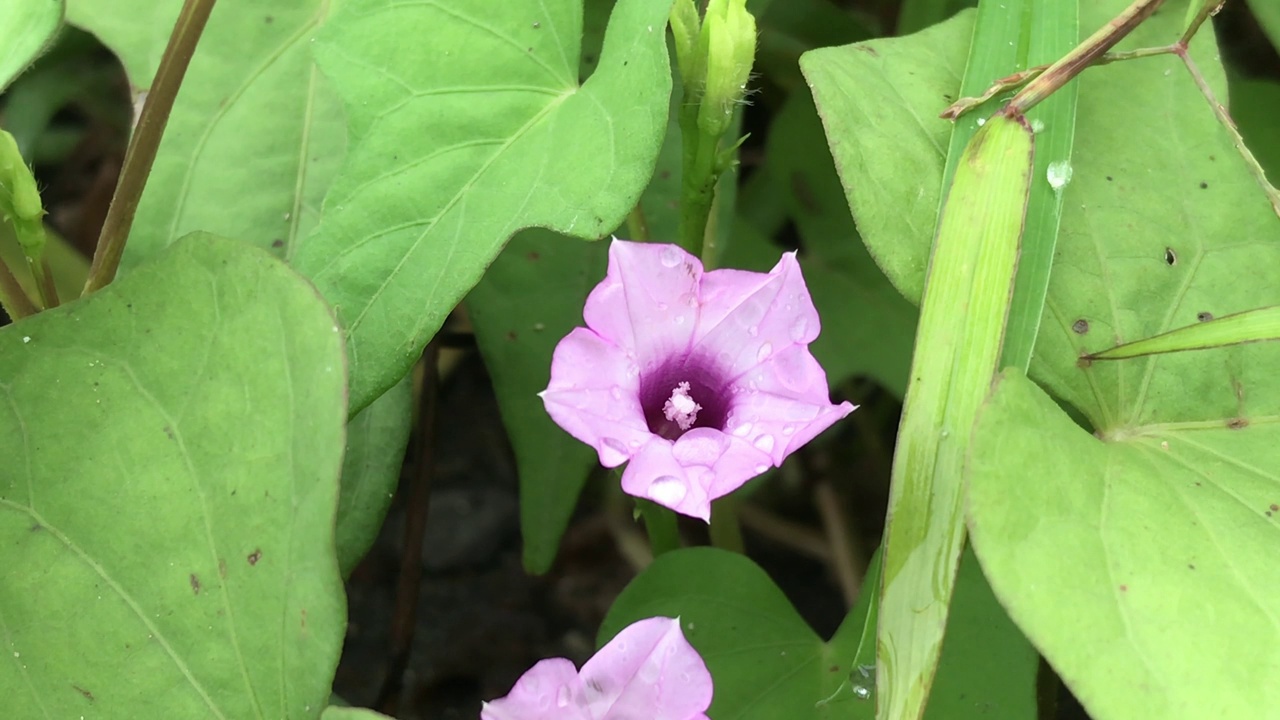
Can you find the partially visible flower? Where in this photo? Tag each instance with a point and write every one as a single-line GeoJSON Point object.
{"type": "Point", "coordinates": [701, 381]}
{"type": "Point", "coordinates": [647, 671]}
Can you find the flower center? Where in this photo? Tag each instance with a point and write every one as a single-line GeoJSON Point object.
{"type": "Point", "coordinates": [682, 394]}
{"type": "Point", "coordinates": [680, 408]}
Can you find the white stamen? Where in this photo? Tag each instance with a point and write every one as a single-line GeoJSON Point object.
{"type": "Point", "coordinates": [680, 408]}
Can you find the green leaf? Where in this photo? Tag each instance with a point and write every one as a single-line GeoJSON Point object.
{"type": "Point", "coordinates": [765, 660]}
{"type": "Point", "coordinates": [1255, 104]}
{"type": "Point", "coordinates": [172, 449]}
{"type": "Point", "coordinates": [867, 326]}
{"type": "Point", "coordinates": [468, 124]}
{"type": "Point", "coordinates": [767, 663]}
{"type": "Point", "coordinates": [1268, 14]}
{"type": "Point", "coordinates": [1243, 327]}
{"type": "Point", "coordinates": [256, 134]}
{"type": "Point", "coordinates": [1144, 568]}
{"type": "Point", "coordinates": [376, 441]}
{"type": "Point", "coordinates": [529, 299]}
{"type": "Point", "coordinates": [26, 28]}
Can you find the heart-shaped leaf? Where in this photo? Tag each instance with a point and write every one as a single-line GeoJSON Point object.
{"type": "Point", "coordinates": [172, 446]}
{"type": "Point", "coordinates": [468, 123]}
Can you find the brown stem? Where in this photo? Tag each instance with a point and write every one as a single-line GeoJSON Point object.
{"type": "Point", "coordinates": [844, 559]}
{"type": "Point", "coordinates": [1084, 55]}
{"type": "Point", "coordinates": [1224, 117]}
{"type": "Point", "coordinates": [146, 141]}
{"type": "Point", "coordinates": [12, 297]}
{"type": "Point", "coordinates": [404, 619]}
{"type": "Point", "coordinates": [1019, 79]}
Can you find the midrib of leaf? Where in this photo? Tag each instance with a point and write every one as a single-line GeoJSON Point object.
{"type": "Point", "coordinates": [124, 596]}
{"type": "Point", "coordinates": [444, 211]}
{"type": "Point", "coordinates": [199, 145]}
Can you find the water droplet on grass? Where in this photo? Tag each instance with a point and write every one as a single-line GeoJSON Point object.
{"type": "Point", "coordinates": [1059, 174]}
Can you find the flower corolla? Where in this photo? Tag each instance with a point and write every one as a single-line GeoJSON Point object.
{"type": "Point", "coordinates": [649, 670]}
{"type": "Point", "coordinates": [701, 381]}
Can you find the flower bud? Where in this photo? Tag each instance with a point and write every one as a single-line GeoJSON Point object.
{"type": "Point", "coordinates": [727, 46]}
{"type": "Point", "coordinates": [684, 27]}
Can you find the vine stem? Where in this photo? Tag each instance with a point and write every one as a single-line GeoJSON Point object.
{"type": "Point", "coordinates": [15, 300]}
{"type": "Point", "coordinates": [141, 153]}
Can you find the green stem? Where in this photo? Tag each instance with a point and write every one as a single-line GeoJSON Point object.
{"type": "Point", "coordinates": [637, 226]}
{"type": "Point", "coordinates": [660, 523]}
{"type": "Point", "coordinates": [698, 181]}
{"type": "Point", "coordinates": [726, 530]}
{"type": "Point", "coordinates": [146, 141]}
{"type": "Point", "coordinates": [12, 297]}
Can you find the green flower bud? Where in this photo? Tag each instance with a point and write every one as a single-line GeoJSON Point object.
{"type": "Point", "coordinates": [685, 26]}
{"type": "Point", "coordinates": [727, 45]}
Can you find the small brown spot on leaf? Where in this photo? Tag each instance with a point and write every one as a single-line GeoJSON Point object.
{"type": "Point", "coordinates": [87, 695]}
{"type": "Point", "coordinates": [834, 668]}
{"type": "Point", "coordinates": [1085, 362]}
{"type": "Point", "coordinates": [268, 19]}
{"type": "Point", "coordinates": [1124, 588]}
{"type": "Point", "coordinates": [1170, 258]}
{"type": "Point", "coordinates": [1204, 186]}
{"type": "Point", "coordinates": [1109, 178]}
{"type": "Point", "coordinates": [1080, 326]}
{"type": "Point", "coordinates": [254, 557]}
{"type": "Point", "coordinates": [1204, 316]}
{"type": "Point", "coordinates": [169, 431]}
{"type": "Point", "coordinates": [868, 50]}
{"type": "Point", "coordinates": [304, 618]}
{"type": "Point", "coordinates": [1237, 423]}
{"type": "Point", "coordinates": [1275, 507]}
{"type": "Point", "coordinates": [222, 568]}
{"type": "Point", "coordinates": [195, 584]}
{"type": "Point", "coordinates": [277, 243]}
{"type": "Point", "coordinates": [1191, 566]}
{"type": "Point", "coordinates": [534, 255]}
{"type": "Point", "coordinates": [511, 335]}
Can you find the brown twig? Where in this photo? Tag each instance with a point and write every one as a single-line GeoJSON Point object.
{"type": "Point", "coordinates": [404, 617]}
{"type": "Point", "coordinates": [142, 149]}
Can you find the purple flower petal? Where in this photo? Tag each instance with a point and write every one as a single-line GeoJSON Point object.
{"type": "Point", "coordinates": [701, 380]}
{"type": "Point", "coordinates": [647, 671]}
{"type": "Point", "coordinates": [647, 303]}
{"type": "Point", "coordinates": [550, 690]}
{"type": "Point", "coordinates": [594, 395]}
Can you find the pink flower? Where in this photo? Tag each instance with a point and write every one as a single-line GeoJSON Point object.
{"type": "Point", "coordinates": [701, 380]}
{"type": "Point", "coordinates": [647, 671]}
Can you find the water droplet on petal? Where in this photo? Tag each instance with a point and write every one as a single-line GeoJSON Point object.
{"type": "Point", "coordinates": [754, 330]}
{"type": "Point", "coordinates": [670, 256]}
{"type": "Point", "coordinates": [617, 446]}
{"type": "Point", "coordinates": [742, 430]}
{"type": "Point", "coordinates": [562, 696]}
{"type": "Point", "coordinates": [798, 328]}
{"type": "Point", "coordinates": [615, 392]}
{"type": "Point", "coordinates": [761, 468]}
{"type": "Point", "coordinates": [633, 370]}
{"type": "Point", "coordinates": [765, 443]}
{"type": "Point", "coordinates": [765, 351]}
{"type": "Point", "coordinates": [679, 320]}
{"type": "Point", "coordinates": [667, 490]}
{"type": "Point", "coordinates": [788, 429]}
